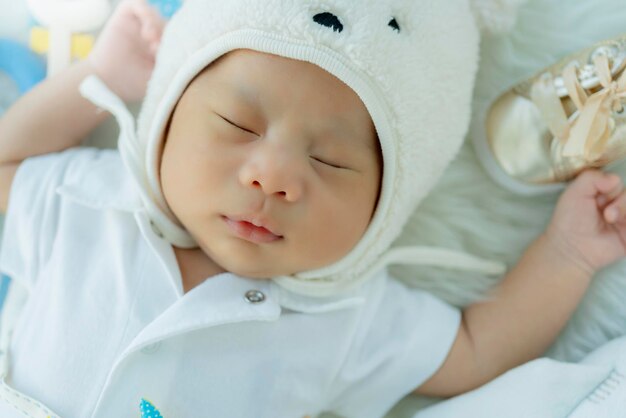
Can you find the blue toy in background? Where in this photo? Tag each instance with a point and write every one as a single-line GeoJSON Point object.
{"type": "Point", "coordinates": [21, 64]}
{"type": "Point", "coordinates": [20, 70]}
{"type": "Point", "coordinates": [167, 8]}
{"type": "Point", "coordinates": [25, 68]}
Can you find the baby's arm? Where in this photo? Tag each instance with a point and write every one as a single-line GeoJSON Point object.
{"type": "Point", "coordinates": [538, 296]}
{"type": "Point", "coordinates": [53, 116]}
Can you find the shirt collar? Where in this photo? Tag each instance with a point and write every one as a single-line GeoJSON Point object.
{"type": "Point", "coordinates": [106, 185]}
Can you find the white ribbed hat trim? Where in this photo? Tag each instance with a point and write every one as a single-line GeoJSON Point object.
{"type": "Point", "coordinates": [325, 58]}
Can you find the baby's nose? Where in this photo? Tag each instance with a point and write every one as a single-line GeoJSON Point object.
{"type": "Point", "coordinates": [275, 173]}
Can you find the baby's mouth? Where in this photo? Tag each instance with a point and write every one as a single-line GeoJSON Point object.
{"type": "Point", "coordinates": [251, 232]}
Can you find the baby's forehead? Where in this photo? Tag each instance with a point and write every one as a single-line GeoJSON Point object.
{"type": "Point", "coordinates": [265, 82]}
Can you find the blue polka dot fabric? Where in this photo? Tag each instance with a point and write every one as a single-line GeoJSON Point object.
{"type": "Point", "coordinates": [148, 410]}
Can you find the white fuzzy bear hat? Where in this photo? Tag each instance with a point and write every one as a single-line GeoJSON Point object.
{"type": "Point", "coordinates": [412, 63]}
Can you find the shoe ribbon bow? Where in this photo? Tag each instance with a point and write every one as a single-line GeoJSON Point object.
{"type": "Point", "coordinates": [587, 135]}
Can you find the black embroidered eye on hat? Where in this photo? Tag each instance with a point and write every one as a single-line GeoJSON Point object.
{"type": "Point", "coordinates": [412, 63]}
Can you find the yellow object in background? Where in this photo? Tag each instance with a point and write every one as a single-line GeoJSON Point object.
{"type": "Point", "coordinates": [82, 44]}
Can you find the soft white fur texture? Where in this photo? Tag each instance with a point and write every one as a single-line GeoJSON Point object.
{"type": "Point", "coordinates": [496, 16]}
{"type": "Point", "coordinates": [468, 211]}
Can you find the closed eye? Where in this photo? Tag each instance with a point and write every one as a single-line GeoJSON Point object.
{"type": "Point", "coordinates": [319, 160]}
{"type": "Point", "coordinates": [236, 125]}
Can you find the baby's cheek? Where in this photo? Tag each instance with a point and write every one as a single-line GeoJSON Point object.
{"type": "Point", "coordinates": [340, 226]}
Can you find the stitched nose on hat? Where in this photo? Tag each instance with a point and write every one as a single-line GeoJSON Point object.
{"type": "Point", "coordinates": [393, 23]}
{"type": "Point", "coordinates": [329, 20]}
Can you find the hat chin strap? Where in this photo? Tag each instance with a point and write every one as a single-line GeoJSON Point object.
{"type": "Point", "coordinates": [416, 255]}
{"type": "Point", "coordinates": [95, 90]}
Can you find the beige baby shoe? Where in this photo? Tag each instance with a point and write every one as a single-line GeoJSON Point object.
{"type": "Point", "coordinates": [565, 119]}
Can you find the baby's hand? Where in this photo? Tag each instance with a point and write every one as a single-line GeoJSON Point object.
{"type": "Point", "coordinates": [124, 54]}
{"type": "Point", "coordinates": [589, 222]}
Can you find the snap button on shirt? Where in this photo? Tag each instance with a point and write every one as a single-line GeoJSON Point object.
{"type": "Point", "coordinates": [255, 296]}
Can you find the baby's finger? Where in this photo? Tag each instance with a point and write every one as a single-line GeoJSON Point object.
{"type": "Point", "coordinates": [609, 185]}
{"type": "Point", "coordinates": [590, 183]}
{"type": "Point", "coordinates": [150, 20]}
{"type": "Point", "coordinates": [609, 189]}
{"type": "Point", "coordinates": [616, 210]}
{"type": "Point", "coordinates": [154, 47]}
{"type": "Point", "coordinates": [150, 33]}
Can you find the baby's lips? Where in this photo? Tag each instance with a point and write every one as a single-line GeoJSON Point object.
{"type": "Point", "coordinates": [251, 231]}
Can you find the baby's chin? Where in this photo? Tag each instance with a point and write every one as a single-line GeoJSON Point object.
{"type": "Point", "coordinates": [255, 271]}
{"type": "Point", "coordinates": [256, 265]}
{"type": "Point", "coordinates": [239, 260]}
{"type": "Point", "coordinates": [261, 272]}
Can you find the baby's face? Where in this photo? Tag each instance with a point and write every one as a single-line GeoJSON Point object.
{"type": "Point", "coordinates": [271, 164]}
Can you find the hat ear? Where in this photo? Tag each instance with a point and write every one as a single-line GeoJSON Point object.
{"type": "Point", "coordinates": [495, 16]}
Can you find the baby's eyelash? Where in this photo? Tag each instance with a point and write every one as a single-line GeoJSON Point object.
{"type": "Point", "coordinates": [328, 163]}
{"type": "Point", "coordinates": [236, 125]}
